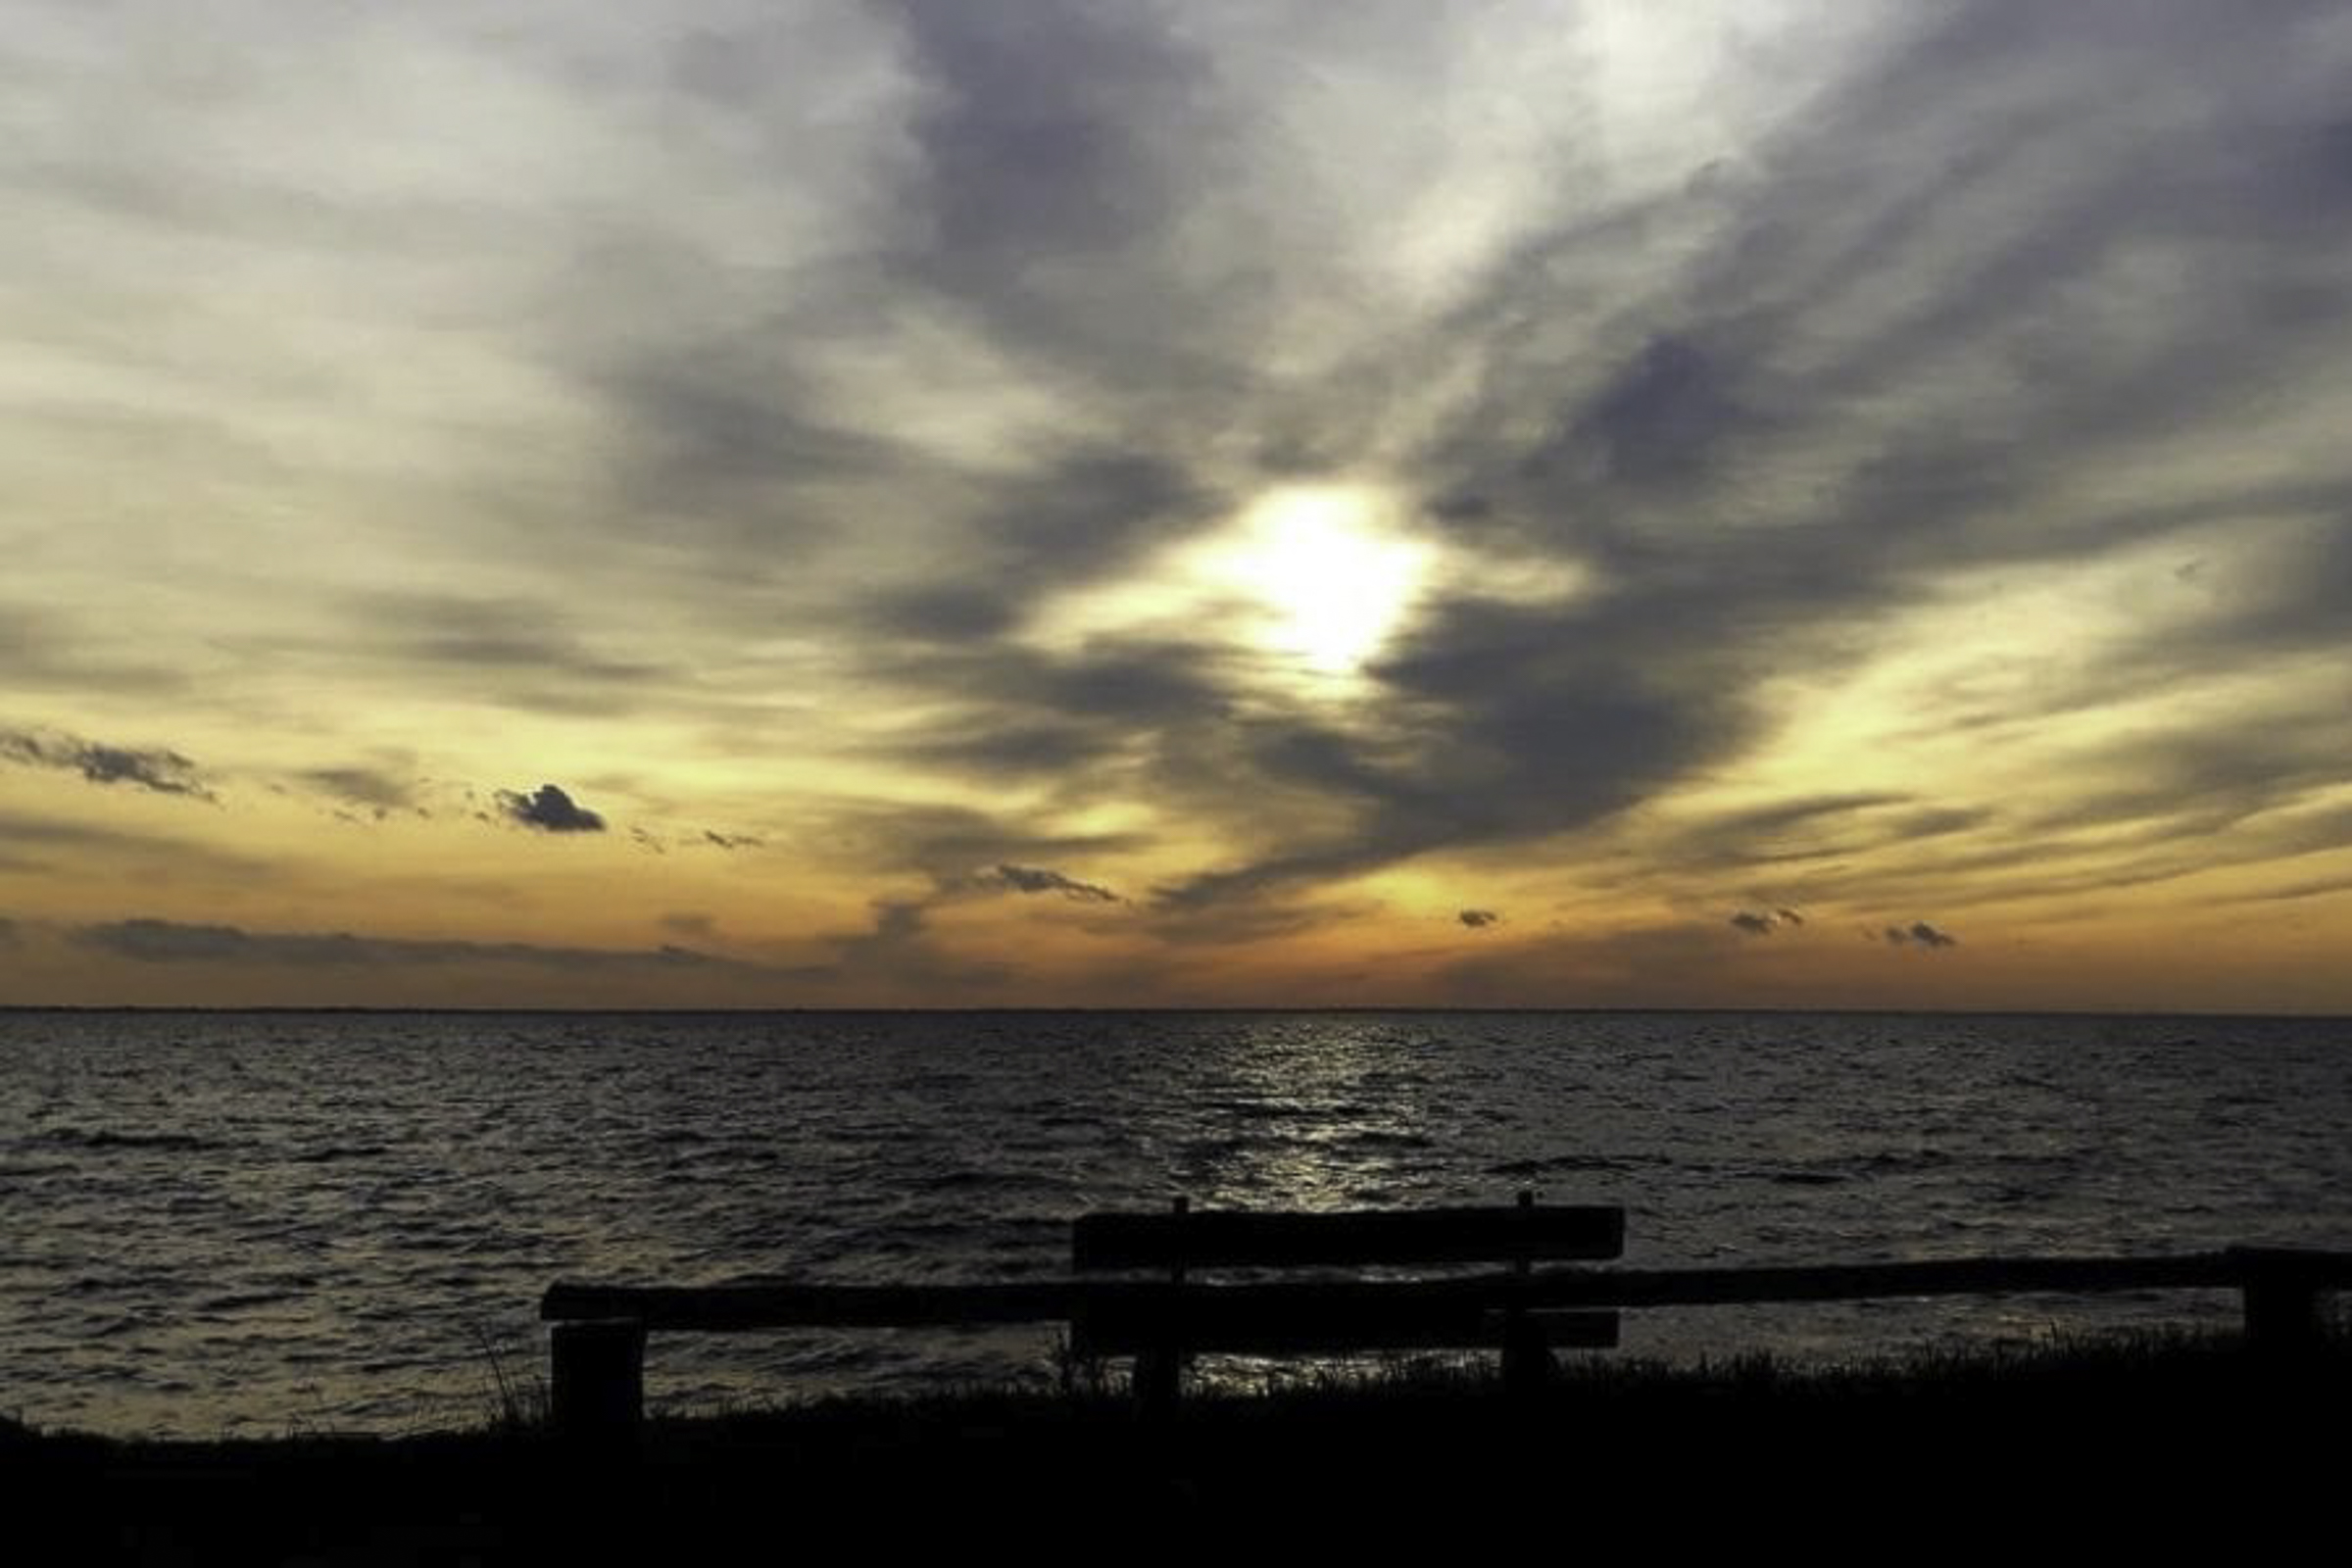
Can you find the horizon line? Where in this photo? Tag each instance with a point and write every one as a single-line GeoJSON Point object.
{"type": "Point", "coordinates": [1205, 1008]}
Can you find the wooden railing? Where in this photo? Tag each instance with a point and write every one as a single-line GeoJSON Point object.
{"type": "Point", "coordinates": [597, 1343]}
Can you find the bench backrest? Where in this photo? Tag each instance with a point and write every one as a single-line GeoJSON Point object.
{"type": "Point", "coordinates": [1522, 1233]}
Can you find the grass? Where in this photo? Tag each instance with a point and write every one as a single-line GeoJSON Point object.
{"type": "Point", "coordinates": [515, 1403]}
{"type": "Point", "coordinates": [2159, 1430]}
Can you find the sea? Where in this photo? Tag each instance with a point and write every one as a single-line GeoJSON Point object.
{"type": "Point", "coordinates": [223, 1224]}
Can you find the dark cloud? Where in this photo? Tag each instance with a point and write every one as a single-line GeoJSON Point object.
{"type": "Point", "coordinates": [944, 842]}
{"type": "Point", "coordinates": [8, 932]}
{"type": "Point", "coordinates": [1526, 724]}
{"type": "Point", "coordinates": [369, 788]}
{"type": "Point", "coordinates": [1763, 922]}
{"type": "Point", "coordinates": [1660, 417]}
{"type": "Point", "coordinates": [900, 948]}
{"type": "Point", "coordinates": [1038, 139]}
{"type": "Point", "coordinates": [154, 941]}
{"type": "Point", "coordinates": [1478, 919]}
{"type": "Point", "coordinates": [166, 773]}
{"type": "Point", "coordinates": [732, 841]}
{"type": "Point", "coordinates": [549, 809]}
{"type": "Point", "coordinates": [1040, 879]}
{"type": "Point", "coordinates": [1919, 933]}
{"type": "Point", "coordinates": [960, 614]}
{"type": "Point", "coordinates": [1061, 146]}
{"type": "Point", "coordinates": [1246, 922]}
{"type": "Point", "coordinates": [1155, 712]}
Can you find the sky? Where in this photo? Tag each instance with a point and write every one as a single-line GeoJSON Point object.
{"type": "Point", "coordinates": [1177, 502]}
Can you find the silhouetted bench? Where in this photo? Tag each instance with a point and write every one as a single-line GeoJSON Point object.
{"type": "Point", "coordinates": [596, 1348]}
{"type": "Point", "coordinates": [1164, 1323]}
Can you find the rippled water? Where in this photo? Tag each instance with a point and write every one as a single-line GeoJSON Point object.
{"type": "Point", "coordinates": [218, 1222]}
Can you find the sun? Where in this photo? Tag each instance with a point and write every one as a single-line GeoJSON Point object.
{"type": "Point", "coordinates": [1328, 575]}
{"type": "Point", "coordinates": [1307, 582]}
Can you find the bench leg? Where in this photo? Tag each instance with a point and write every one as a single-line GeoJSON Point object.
{"type": "Point", "coordinates": [2287, 1318]}
{"type": "Point", "coordinates": [1159, 1383]}
{"type": "Point", "coordinates": [1526, 1364]}
{"type": "Point", "coordinates": [595, 1388]}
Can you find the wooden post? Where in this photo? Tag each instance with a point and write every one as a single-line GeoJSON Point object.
{"type": "Point", "coordinates": [1526, 1356]}
{"type": "Point", "coordinates": [1159, 1371]}
{"type": "Point", "coordinates": [596, 1389]}
{"type": "Point", "coordinates": [2285, 1307]}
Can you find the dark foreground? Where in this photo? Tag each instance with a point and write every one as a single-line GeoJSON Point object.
{"type": "Point", "coordinates": [2085, 1449]}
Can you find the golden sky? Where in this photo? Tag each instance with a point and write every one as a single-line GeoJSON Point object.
{"type": "Point", "coordinates": [1194, 502]}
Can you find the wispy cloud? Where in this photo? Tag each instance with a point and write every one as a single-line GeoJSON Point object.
{"type": "Point", "coordinates": [1044, 879]}
{"type": "Point", "coordinates": [376, 792]}
{"type": "Point", "coordinates": [163, 771]}
{"type": "Point", "coordinates": [157, 940]}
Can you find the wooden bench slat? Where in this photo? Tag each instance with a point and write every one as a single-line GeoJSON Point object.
{"type": "Point", "coordinates": [1346, 1237]}
{"type": "Point", "coordinates": [732, 1308]}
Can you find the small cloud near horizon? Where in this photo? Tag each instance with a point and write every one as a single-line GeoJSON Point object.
{"type": "Point", "coordinates": [1921, 934]}
{"type": "Point", "coordinates": [550, 810]}
{"type": "Point", "coordinates": [150, 940]}
{"type": "Point", "coordinates": [1044, 879]}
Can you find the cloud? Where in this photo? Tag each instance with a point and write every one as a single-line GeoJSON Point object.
{"type": "Point", "coordinates": [166, 773]}
{"type": "Point", "coordinates": [1040, 879]}
{"type": "Point", "coordinates": [550, 810]}
{"type": "Point", "coordinates": [899, 947]}
{"type": "Point", "coordinates": [372, 790]}
{"type": "Point", "coordinates": [155, 940]}
{"type": "Point", "coordinates": [940, 842]}
{"type": "Point", "coordinates": [1760, 924]}
{"type": "Point", "coordinates": [1478, 919]}
{"type": "Point", "coordinates": [9, 935]}
{"type": "Point", "coordinates": [732, 841]}
{"type": "Point", "coordinates": [1920, 933]}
